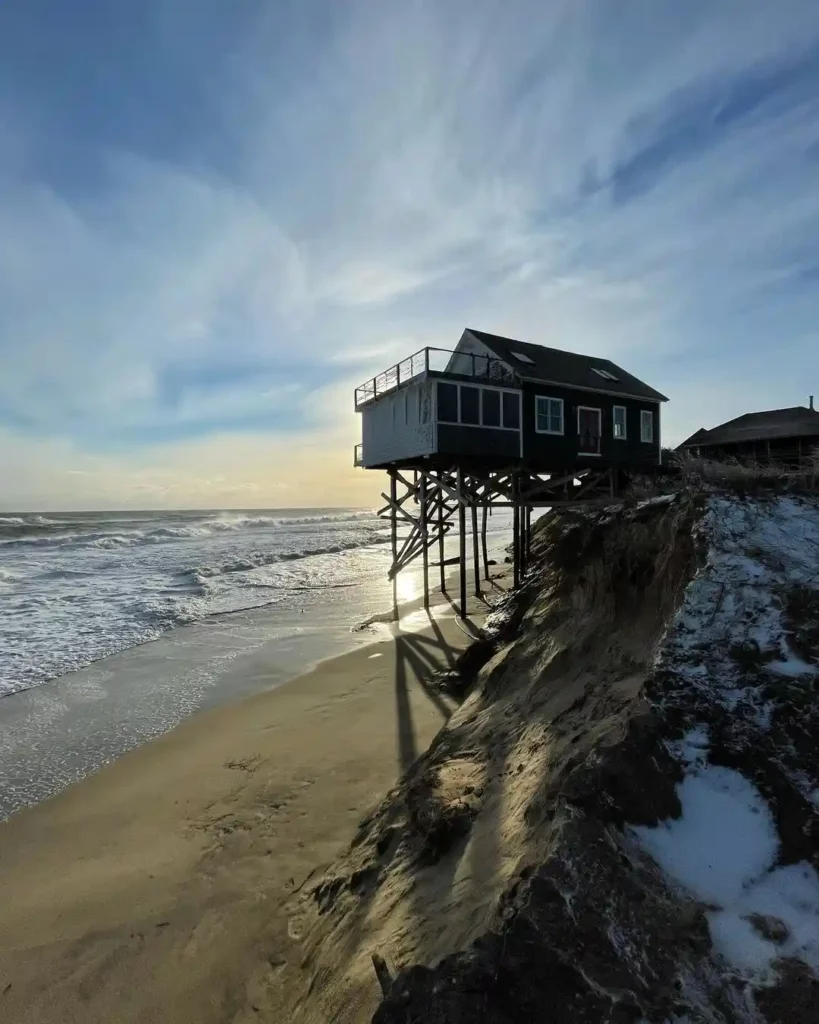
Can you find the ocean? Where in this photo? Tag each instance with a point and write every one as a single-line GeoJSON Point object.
{"type": "Point", "coordinates": [116, 626]}
{"type": "Point", "coordinates": [75, 588]}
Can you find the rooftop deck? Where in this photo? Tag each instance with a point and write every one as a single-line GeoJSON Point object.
{"type": "Point", "coordinates": [432, 361]}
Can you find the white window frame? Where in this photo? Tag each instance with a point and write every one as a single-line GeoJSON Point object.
{"type": "Point", "coordinates": [599, 411]}
{"type": "Point", "coordinates": [549, 398]}
{"type": "Point", "coordinates": [614, 434]}
{"type": "Point", "coordinates": [650, 421]}
{"type": "Point", "coordinates": [605, 374]}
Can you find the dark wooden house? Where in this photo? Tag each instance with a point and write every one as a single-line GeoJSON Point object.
{"type": "Point", "coordinates": [495, 401]}
{"type": "Point", "coordinates": [786, 436]}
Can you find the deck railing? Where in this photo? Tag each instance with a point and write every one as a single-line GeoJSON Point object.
{"type": "Point", "coordinates": [432, 360]}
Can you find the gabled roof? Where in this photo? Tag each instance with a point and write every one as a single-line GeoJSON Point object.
{"type": "Point", "coordinates": [798, 421]}
{"type": "Point", "coordinates": [555, 366]}
{"type": "Point", "coordinates": [697, 437]}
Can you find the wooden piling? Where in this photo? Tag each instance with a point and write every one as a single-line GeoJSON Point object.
{"type": "Point", "coordinates": [483, 544]}
{"type": "Point", "coordinates": [476, 558]}
{"type": "Point", "coordinates": [516, 545]}
{"type": "Point", "coordinates": [441, 538]}
{"type": "Point", "coordinates": [424, 532]}
{"type": "Point", "coordinates": [528, 534]}
{"type": "Point", "coordinates": [462, 540]}
{"type": "Point", "coordinates": [522, 541]}
{"type": "Point", "coordinates": [394, 541]}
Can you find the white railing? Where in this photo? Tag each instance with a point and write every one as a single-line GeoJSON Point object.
{"type": "Point", "coordinates": [432, 360]}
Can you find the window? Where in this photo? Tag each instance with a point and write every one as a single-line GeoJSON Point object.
{"type": "Point", "coordinates": [604, 374]}
{"type": "Point", "coordinates": [490, 412]}
{"type": "Point", "coordinates": [522, 357]}
{"type": "Point", "coordinates": [620, 422]}
{"type": "Point", "coordinates": [448, 403]}
{"type": "Point", "coordinates": [470, 406]}
{"type": "Point", "coordinates": [511, 410]}
{"type": "Point", "coordinates": [474, 406]}
{"type": "Point", "coordinates": [548, 415]}
{"type": "Point", "coordinates": [480, 366]}
{"type": "Point", "coordinates": [646, 426]}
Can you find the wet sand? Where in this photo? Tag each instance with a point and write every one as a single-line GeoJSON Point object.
{"type": "Point", "coordinates": [157, 889]}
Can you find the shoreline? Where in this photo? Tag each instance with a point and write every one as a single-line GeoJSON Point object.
{"type": "Point", "coordinates": [152, 889]}
{"type": "Point", "coordinates": [54, 734]}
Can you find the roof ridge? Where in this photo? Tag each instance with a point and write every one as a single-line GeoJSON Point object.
{"type": "Point", "coordinates": [560, 365]}
{"type": "Point", "coordinates": [544, 348]}
{"type": "Point", "coordinates": [771, 412]}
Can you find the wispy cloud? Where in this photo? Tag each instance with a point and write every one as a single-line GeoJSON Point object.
{"type": "Point", "coordinates": [213, 220]}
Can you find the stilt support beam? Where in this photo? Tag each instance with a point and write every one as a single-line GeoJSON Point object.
{"type": "Point", "coordinates": [484, 511]}
{"type": "Point", "coordinates": [476, 558]}
{"type": "Point", "coordinates": [394, 541]}
{"type": "Point", "coordinates": [425, 552]}
{"type": "Point", "coordinates": [441, 539]}
{"type": "Point", "coordinates": [441, 495]}
{"type": "Point", "coordinates": [462, 542]}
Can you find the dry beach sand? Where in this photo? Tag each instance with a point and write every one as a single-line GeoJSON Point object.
{"type": "Point", "coordinates": [157, 889]}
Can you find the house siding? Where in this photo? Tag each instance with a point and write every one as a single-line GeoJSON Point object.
{"type": "Point", "coordinates": [403, 426]}
{"type": "Point", "coordinates": [787, 451]}
{"type": "Point", "coordinates": [478, 442]}
{"type": "Point", "coordinates": [399, 426]}
{"type": "Point", "coordinates": [562, 450]}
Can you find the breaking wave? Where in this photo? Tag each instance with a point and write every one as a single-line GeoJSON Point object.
{"type": "Point", "coordinates": [259, 559]}
{"type": "Point", "coordinates": [120, 532]}
{"type": "Point", "coordinates": [76, 587]}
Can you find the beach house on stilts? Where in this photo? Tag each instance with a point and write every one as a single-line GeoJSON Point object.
{"type": "Point", "coordinates": [493, 423]}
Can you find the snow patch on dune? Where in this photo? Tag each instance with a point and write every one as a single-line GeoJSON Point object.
{"type": "Point", "coordinates": [723, 850]}
{"type": "Point", "coordinates": [733, 664]}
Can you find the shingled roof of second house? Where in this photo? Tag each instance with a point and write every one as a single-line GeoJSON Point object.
{"type": "Point", "coordinates": [798, 421]}
{"type": "Point", "coordinates": [555, 366]}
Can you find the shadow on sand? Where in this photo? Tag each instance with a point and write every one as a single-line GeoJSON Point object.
{"type": "Point", "coordinates": [419, 659]}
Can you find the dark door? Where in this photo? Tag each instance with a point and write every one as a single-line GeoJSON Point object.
{"type": "Point", "coordinates": [589, 422]}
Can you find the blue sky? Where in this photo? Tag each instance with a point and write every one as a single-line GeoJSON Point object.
{"type": "Point", "coordinates": [216, 218]}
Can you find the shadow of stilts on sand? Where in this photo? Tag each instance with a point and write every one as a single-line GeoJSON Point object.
{"type": "Point", "coordinates": [395, 871]}
{"type": "Point", "coordinates": [455, 865]}
{"type": "Point", "coordinates": [474, 628]}
{"type": "Point", "coordinates": [405, 731]}
{"type": "Point", "coordinates": [418, 660]}
{"type": "Point", "coordinates": [440, 643]}
{"type": "Point", "coordinates": [415, 660]}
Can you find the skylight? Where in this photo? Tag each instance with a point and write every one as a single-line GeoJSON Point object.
{"type": "Point", "coordinates": [604, 373]}
{"type": "Point", "coordinates": [523, 358]}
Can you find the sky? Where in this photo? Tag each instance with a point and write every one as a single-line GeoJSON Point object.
{"type": "Point", "coordinates": [217, 218]}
